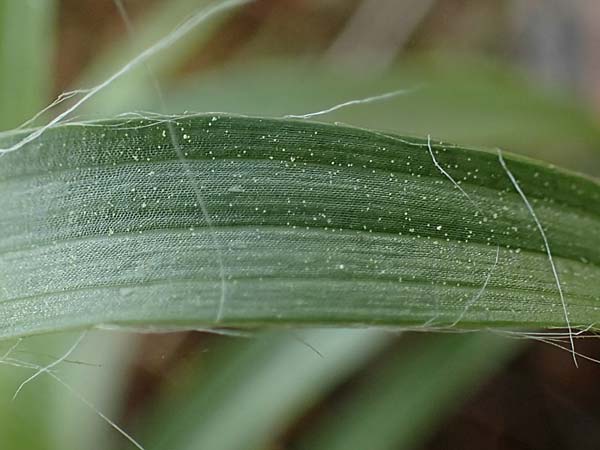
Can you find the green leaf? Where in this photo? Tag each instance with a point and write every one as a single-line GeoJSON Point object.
{"type": "Point", "coordinates": [25, 50]}
{"type": "Point", "coordinates": [100, 373]}
{"type": "Point", "coordinates": [30, 410]}
{"type": "Point", "coordinates": [462, 100]}
{"type": "Point", "coordinates": [258, 388]}
{"type": "Point", "coordinates": [157, 23]}
{"type": "Point", "coordinates": [402, 402]}
{"type": "Point", "coordinates": [284, 222]}
{"type": "Point", "coordinates": [261, 387]}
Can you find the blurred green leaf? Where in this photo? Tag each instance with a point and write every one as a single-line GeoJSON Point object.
{"type": "Point", "coordinates": [401, 403]}
{"type": "Point", "coordinates": [259, 388]}
{"type": "Point", "coordinates": [26, 422]}
{"type": "Point", "coordinates": [157, 23]}
{"type": "Point", "coordinates": [99, 374]}
{"type": "Point", "coordinates": [26, 47]}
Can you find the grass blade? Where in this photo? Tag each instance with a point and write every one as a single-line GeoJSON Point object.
{"type": "Point", "coordinates": [260, 387]}
{"type": "Point", "coordinates": [315, 224]}
{"type": "Point", "coordinates": [402, 402]}
{"type": "Point", "coordinates": [25, 50]}
{"type": "Point", "coordinates": [136, 85]}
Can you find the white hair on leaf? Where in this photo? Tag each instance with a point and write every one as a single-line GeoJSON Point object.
{"type": "Point", "coordinates": [142, 58]}
{"type": "Point", "coordinates": [538, 224]}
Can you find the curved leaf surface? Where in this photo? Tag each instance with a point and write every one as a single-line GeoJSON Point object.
{"type": "Point", "coordinates": [270, 221]}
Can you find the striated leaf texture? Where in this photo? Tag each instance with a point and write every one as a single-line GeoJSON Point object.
{"type": "Point", "coordinates": [268, 221]}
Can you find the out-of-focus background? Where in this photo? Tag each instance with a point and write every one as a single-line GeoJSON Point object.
{"type": "Point", "coordinates": [523, 75]}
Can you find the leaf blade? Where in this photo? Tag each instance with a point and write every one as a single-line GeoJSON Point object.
{"type": "Point", "coordinates": [403, 401]}
{"type": "Point", "coordinates": [25, 75]}
{"type": "Point", "coordinates": [317, 224]}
